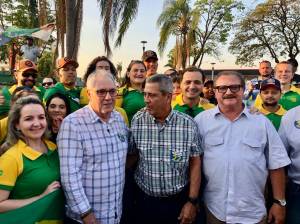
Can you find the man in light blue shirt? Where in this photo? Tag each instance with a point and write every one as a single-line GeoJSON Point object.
{"type": "Point", "coordinates": [240, 150]}
{"type": "Point", "coordinates": [92, 146]}
{"type": "Point", "coordinates": [289, 132]}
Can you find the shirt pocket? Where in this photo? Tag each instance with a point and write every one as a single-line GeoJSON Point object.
{"type": "Point", "coordinates": [213, 142]}
{"type": "Point", "coordinates": [252, 149]}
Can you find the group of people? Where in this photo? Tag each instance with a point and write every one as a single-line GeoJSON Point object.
{"type": "Point", "coordinates": [161, 148]}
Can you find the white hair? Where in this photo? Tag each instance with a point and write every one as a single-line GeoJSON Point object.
{"type": "Point", "coordinates": [101, 74]}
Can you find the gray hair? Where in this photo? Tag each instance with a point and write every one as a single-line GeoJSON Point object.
{"type": "Point", "coordinates": [231, 73]}
{"type": "Point", "coordinates": [13, 135]}
{"type": "Point", "coordinates": [164, 82]}
{"type": "Point", "coordinates": [90, 83]}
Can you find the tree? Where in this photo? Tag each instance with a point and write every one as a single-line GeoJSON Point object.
{"type": "Point", "coordinates": [179, 20]}
{"type": "Point", "coordinates": [272, 28]}
{"type": "Point", "coordinates": [119, 68]}
{"type": "Point", "coordinates": [214, 27]}
{"type": "Point", "coordinates": [111, 11]}
{"type": "Point", "coordinates": [45, 64]}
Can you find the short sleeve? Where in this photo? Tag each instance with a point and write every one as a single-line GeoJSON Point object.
{"type": "Point", "coordinates": [196, 149]}
{"type": "Point", "coordinates": [9, 168]}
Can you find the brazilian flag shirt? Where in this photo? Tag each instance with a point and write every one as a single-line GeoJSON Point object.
{"type": "Point", "coordinates": [275, 117]}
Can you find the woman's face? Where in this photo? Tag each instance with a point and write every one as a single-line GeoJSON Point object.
{"type": "Point", "coordinates": [102, 65]}
{"type": "Point", "coordinates": [137, 74]}
{"type": "Point", "coordinates": [57, 107]}
{"type": "Point", "coordinates": [32, 122]}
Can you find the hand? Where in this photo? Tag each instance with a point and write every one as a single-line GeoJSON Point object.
{"type": "Point", "coordinates": [56, 122]}
{"type": "Point", "coordinates": [90, 219]}
{"type": "Point", "coordinates": [250, 86]}
{"type": "Point", "coordinates": [51, 187]}
{"type": "Point", "coordinates": [188, 213]}
{"type": "Point", "coordinates": [2, 99]}
{"type": "Point", "coordinates": [276, 214]}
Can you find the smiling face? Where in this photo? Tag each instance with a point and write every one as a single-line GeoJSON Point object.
{"type": "Point", "coordinates": [57, 107]}
{"type": "Point", "coordinates": [32, 122]}
{"type": "Point", "coordinates": [67, 75]}
{"type": "Point", "coordinates": [228, 99]}
{"type": "Point", "coordinates": [137, 74]}
{"type": "Point", "coordinates": [151, 66]}
{"type": "Point", "coordinates": [284, 73]}
{"type": "Point", "coordinates": [191, 85]}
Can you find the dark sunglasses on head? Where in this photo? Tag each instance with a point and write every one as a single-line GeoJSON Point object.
{"type": "Point", "coordinates": [47, 83]}
{"type": "Point", "coordinates": [33, 75]}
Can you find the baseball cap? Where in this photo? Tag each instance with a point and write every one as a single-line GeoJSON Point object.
{"type": "Point", "coordinates": [149, 54]}
{"type": "Point", "coordinates": [25, 65]}
{"type": "Point", "coordinates": [62, 62]}
{"type": "Point", "coordinates": [270, 82]}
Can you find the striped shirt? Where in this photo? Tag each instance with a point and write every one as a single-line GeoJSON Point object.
{"type": "Point", "coordinates": [92, 162]}
{"type": "Point", "coordinates": [164, 152]}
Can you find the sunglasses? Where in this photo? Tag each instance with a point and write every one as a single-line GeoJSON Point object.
{"type": "Point", "coordinates": [27, 75]}
{"type": "Point", "coordinates": [47, 83]}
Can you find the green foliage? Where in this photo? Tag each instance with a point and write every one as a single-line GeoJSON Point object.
{"type": "Point", "coordinates": [272, 29]}
{"type": "Point", "coordinates": [44, 64]}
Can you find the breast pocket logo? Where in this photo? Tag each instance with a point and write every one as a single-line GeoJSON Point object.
{"type": "Point", "coordinates": [297, 124]}
{"type": "Point", "coordinates": [176, 155]}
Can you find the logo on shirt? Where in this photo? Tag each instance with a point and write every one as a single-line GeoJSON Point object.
{"type": "Point", "coordinates": [297, 124]}
{"type": "Point", "coordinates": [176, 155]}
{"type": "Point", "coordinates": [293, 99]}
{"type": "Point", "coordinates": [121, 137]}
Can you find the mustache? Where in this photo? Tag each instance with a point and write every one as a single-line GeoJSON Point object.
{"type": "Point", "coordinates": [228, 97]}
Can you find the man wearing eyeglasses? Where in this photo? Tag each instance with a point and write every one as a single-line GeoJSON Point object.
{"type": "Point", "coordinates": [66, 70]}
{"type": "Point", "coordinates": [92, 144]}
{"type": "Point", "coordinates": [240, 150]}
{"type": "Point", "coordinates": [25, 75]}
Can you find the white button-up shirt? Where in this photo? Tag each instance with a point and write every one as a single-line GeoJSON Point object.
{"type": "Point", "coordinates": [237, 156]}
{"type": "Point", "coordinates": [289, 132]}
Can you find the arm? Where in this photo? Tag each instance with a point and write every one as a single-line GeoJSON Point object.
{"type": "Point", "coordinates": [277, 212]}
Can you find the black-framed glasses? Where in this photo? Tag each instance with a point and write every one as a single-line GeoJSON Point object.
{"type": "Point", "coordinates": [233, 88]}
{"type": "Point", "coordinates": [103, 92]}
{"type": "Point", "coordinates": [33, 75]}
{"type": "Point", "coordinates": [47, 83]}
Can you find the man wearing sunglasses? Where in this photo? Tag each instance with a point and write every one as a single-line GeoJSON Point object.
{"type": "Point", "coordinates": [240, 151]}
{"type": "Point", "coordinates": [25, 75]}
{"type": "Point", "coordinates": [47, 83]}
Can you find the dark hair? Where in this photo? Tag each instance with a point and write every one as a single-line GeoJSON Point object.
{"type": "Point", "coordinates": [60, 96]}
{"type": "Point", "coordinates": [194, 69]}
{"type": "Point", "coordinates": [293, 62]}
{"type": "Point", "coordinates": [265, 62]}
{"type": "Point", "coordinates": [176, 79]}
{"type": "Point", "coordinates": [92, 67]}
{"type": "Point", "coordinates": [20, 92]}
{"type": "Point", "coordinates": [231, 73]}
{"type": "Point", "coordinates": [126, 81]}
{"type": "Point", "coordinates": [13, 135]}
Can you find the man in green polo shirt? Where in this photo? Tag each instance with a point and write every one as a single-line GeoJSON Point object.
{"type": "Point", "coordinates": [290, 96]}
{"type": "Point", "coordinates": [190, 102]}
{"type": "Point", "coordinates": [25, 75]}
{"type": "Point", "coordinates": [66, 69]}
{"type": "Point", "coordinates": [270, 92]}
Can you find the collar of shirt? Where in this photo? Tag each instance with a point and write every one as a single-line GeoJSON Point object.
{"type": "Point", "coordinates": [95, 118]}
{"type": "Point", "coordinates": [216, 111]}
{"type": "Point", "coordinates": [279, 112]}
{"type": "Point", "coordinates": [294, 89]}
{"type": "Point", "coordinates": [30, 153]}
{"type": "Point", "coordinates": [179, 100]}
{"type": "Point", "coordinates": [166, 121]}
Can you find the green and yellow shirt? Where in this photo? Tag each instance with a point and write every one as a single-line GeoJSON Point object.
{"type": "Point", "coordinates": [275, 118]}
{"type": "Point", "coordinates": [288, 100]}
{"type": "Point", "coordinates": [26, 173]}
{"type": "Point", "coordinates": [179, 105]}
{"type": "Point", "coordinates": [131, 100]}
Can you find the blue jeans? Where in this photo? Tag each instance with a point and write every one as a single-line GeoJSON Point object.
{"type": "Point", "coordinates": [293, 203]}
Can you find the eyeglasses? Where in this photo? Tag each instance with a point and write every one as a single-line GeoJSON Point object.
{"type": "Point", "coordinates": [26, 75]}
{"type": "Point", "coordinates": [103, 92]}
{"type": "Point", "coordinates": [47, 83]}
{"type": "Point", "coordinates": [233, 88]}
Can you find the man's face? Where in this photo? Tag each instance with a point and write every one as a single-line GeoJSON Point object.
{"type": "Point", "coordinates": [191, 84]}
{"type": "Point", "coordinates": [270, 96]}
{"type": "Point", "coordinates": [27, 78]}
{"type": "Point", "coordinates": [208, 91]}
{"type": "Point", "coordinates": [284, 73]}
{"type": "Point", "coordinates": [265, 69]}
{"type": "Point", "coordinates": [103, 96]}
{"type": "Point", "coordinates": [157, 103]}
{"type": "Point", "coordinates": [67, 75]}
{"type": "Point", "coordinates": [225, 96]}
{"type": "Point", "coordinates": [151, 66]}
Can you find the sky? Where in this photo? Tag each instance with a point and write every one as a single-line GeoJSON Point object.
{"type": "Point", "coordinates": [142, 28]}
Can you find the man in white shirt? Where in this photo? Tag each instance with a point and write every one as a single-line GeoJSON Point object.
{"type": "Point", "coordinates": [240, 150]}
{"type": "Point", "coordinates": [30, 51]}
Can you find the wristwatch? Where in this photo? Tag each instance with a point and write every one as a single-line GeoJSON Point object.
{"type": "Point", "coordinates": [194, 201]}
{"type": "Point", "coordinates": [281, 202]}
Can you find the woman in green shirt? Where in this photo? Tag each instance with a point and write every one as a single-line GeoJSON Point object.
{"type": "Point", "coordinates": [29, 168]}
{"type": "Point", "coordinates": [130, 95]}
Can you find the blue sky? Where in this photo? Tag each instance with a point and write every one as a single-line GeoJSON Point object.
{"type": "Point", "coordinates": [143, 28]}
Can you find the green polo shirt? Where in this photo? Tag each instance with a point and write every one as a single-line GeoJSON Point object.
{"type": "Point", "coordinates": [179, 105]}
{"type": "Point", "coordinates": [7, 93]}
{"type": "Point", "coordinates": [26, 173]}
{"type": "Point", "coordinates": [275, 117]}
{"type": "Point", "coordinates": [131, 100]}
{"type": "Point", "coordinates": [72, 94]}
